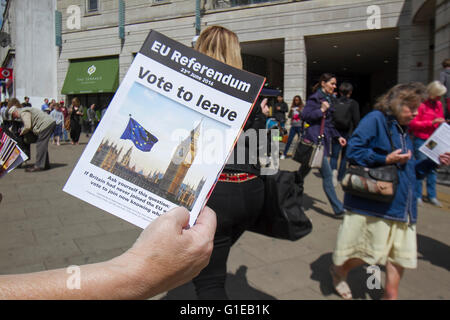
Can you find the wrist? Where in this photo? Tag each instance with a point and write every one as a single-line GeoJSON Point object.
{"type": "Point", "coordinates": [128, 277]}
{"type": "Point", "coordinates": [137, 276]}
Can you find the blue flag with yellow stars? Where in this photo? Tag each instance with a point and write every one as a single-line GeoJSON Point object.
{"type": "Point", "coordinates": [142, 139]}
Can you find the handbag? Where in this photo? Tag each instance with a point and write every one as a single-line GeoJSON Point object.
{"type": "Point", "coordinates": [379, 183]}
{"type": "Point", "coordinates": [67, 124]}
{"type": "Point", "coordinates": [282, 216]}
{"type": "Point", "coordinates": [310, 153]}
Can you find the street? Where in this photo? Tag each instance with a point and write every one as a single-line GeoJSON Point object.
{"type": "Point", "coordinates": [41, 227]}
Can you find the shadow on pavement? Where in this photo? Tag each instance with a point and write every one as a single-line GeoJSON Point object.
{"type": "Point", "coordinates": [434, 251]}
{"type": "Point", "coordinates": [57, 165]}
{"type": "Point", "coordinates": [237, 288]}
{"type": "Point", "coordinates": [308, 203]}
{"type": "Point", "coordinates": [357, 279]}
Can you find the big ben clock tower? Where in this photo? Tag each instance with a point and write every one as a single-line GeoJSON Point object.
{"type": "Point", "coordinates": [180, 163]}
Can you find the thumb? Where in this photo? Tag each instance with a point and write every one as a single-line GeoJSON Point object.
{"type": "Point", "coordinates": [181, 217]}
{"type": "Point", "coordinates": [206, 223]}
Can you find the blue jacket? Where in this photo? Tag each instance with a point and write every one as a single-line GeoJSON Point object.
{"type": "Point", "coordinates": [313, 116]}
{"type": "Point", "coordinates": [369, 146]}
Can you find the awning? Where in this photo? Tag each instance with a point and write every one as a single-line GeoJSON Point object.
{"type": "Point", "coordinates": [92, 76]}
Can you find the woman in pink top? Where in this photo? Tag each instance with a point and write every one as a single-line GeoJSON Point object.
{"type": "Point", "coordinates": [429, 118]}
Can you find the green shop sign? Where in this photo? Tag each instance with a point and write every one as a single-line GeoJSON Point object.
{"type": "Point", "coordinates": [92, 76]}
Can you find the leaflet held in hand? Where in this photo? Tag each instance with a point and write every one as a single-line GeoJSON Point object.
{"type": "Point", "coordinates": [166, 135]}
{"type": "Point", "coordinates": [438, 143]}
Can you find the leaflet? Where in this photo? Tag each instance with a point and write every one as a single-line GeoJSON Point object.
{"type": "Point", "coordinates": [166, 135]}
{"type": "Point", "coordinates": [438, 143]}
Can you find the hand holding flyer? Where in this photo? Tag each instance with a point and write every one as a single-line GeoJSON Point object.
{"type": "Point", "coordinates": [166, 135]}
{"type": "Point", "coordinates": [438, 143]}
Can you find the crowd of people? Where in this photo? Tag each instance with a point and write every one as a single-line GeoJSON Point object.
{"type": "Point", "coordinates": [371, 232]}
{"type": "Point", "coordinates": [26, 125]}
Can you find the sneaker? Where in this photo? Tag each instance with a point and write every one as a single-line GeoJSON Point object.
{"type": "Point", "coordinates": [419, 202]}
{"type": "Point", "coordinates": [435, 202]}
{"type": "Point", "coordinates": [340, 215]}
{"type": "Point", "coordinates": [282, 157]}
{"type": "Point", "coordinates": [335, 181]}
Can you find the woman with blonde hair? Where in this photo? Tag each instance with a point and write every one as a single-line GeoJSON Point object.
{"type": "Point", "coordinates": [429, 117]}
{"type": "Point", "coordinates": [76, 112]}
{"type": "Point", "coordinates": [238, 196]}
{"type": "Point", "coordinates": [376, 232]}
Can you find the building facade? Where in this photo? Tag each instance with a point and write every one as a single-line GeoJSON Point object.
{"type": "Point", "coordinates": [29, 30]}
{"type": "Point", "coordinates": [373, 44]}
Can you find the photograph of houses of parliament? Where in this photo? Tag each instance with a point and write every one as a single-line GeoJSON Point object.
{"type": "Point", "coordinates": [169, 184]}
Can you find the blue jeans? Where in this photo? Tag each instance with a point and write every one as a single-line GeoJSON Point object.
{"type": "Point", "coordinates": [65, 135]}
{"type": "Point", "coordinates": [335, 150]}
{"type": "Point", "coordinates": [431, 177]}
{"type": "Point", "coordinates": [327, 183]}
{"type": "Point", "coordinates": [292, 132]}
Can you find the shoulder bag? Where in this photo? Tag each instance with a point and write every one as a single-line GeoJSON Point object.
{"type": "Point", "coordinates": [310, 153]}
{"type": "Point", "coordinates": [283, 216]}
{"type": "Point", "coordinates": [379, 183]}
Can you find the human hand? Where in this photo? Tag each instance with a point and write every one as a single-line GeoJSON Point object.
{"type": "Point", "coordinates": [445, 159]}
{"type": "Point", "coordinates": [438, 120]}
{"type": "Point", "coordinates": [398, 157]}
{"type": "Point", "coordinates": [264, 107]}
{"type": "Point", "coordinates": [324, 106]}
{"type": "Point", "coordinates": [166, 255]}
{"type": "Point", "coordinates": [342, 141]}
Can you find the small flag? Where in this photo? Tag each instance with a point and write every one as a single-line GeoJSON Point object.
{"type": "Point", "coordinates": [142, 139]}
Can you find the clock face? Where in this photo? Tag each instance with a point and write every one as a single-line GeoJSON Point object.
{"type": "Point", "coordinates": [181, 152]}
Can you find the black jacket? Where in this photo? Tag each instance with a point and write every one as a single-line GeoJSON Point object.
{"type": "Point", "coordinates": [256, 121]}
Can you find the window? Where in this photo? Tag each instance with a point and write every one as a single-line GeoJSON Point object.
{"type": "Point", "coordinates": [92, 5]}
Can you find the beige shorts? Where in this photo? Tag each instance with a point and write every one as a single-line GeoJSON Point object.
{"type": "Point", "coordinates": [376, 240]}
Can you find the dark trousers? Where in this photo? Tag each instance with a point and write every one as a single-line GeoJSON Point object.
{"type": "Point", "coordinates": [42, 158]}
{"type": "Point", "coordinates": [75, 131]}
{"type": "Point", "coordinates": [237, 206]}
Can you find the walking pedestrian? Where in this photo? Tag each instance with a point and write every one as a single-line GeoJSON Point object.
{"type": "Point", "coordinates": [430, 116]}
{"type": "Point", "coordinates": [320, 106]}
{"type": "Point", "coordinates": [45, 106]}
{"type": "Point", "coordinates": [27, 102]}
{"type": "Point", "coordinates": [345, 120]}
{"type": "Point", "coordinates": [296, 123]}
{"type": "Point", "coordinates": [76, 113]}
{"type": "Point", "coordinates": [279, 111]}
{"type": "Point", "coordinates": [376, 232]}
{"type": "Point", "coordinates": [58, 116]}
{"type": "Point", "coordinates": [92, 118]}
{"type": "Point", "coordinates": [238, 196]}
{"type": "Point", "coordinates": [66, 124]}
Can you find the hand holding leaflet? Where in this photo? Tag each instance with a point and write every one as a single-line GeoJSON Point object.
{"type": "Point", "coordinates": [438, 143]}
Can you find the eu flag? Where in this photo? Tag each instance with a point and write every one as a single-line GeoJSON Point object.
{"type": "Point", "coordinates": [142, 139]}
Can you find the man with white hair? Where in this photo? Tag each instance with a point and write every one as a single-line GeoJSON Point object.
{"type": "Point", "coordinates": [42, 125]}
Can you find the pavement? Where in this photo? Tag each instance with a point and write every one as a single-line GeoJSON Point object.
{"type": "Point", "coordinates": [42, 227]}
